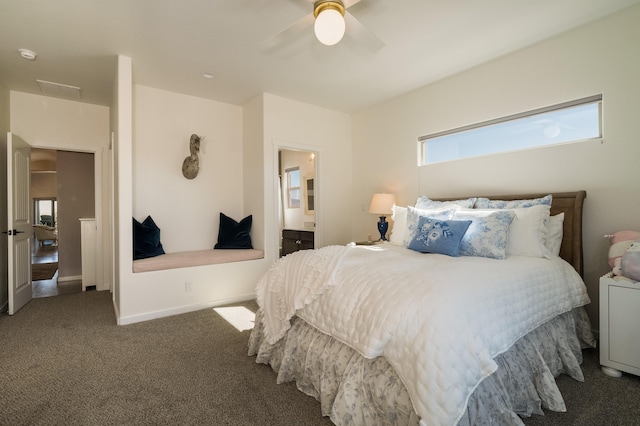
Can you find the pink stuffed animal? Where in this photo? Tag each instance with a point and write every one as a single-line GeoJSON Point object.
{"type": "Point", "coordinates": [620, 242]}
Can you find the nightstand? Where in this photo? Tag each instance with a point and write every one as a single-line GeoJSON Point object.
{"type": "Point", "coordinates": [619, 331]}
{"type": "Point", "coordinates": [294, 240]}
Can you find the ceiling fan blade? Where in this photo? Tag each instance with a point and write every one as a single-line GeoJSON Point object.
{"type": "Point", "coordinates": [361, 34]}
{"type": "Point", "coordinates": [348, 3]}
{"type": "Point", "coordinates": [289, 32]}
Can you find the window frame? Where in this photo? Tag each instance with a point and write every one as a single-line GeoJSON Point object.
{"type": "Point", "coordinates": [53, 207]}
{"type": "Point", "coordinates": [291, 204]}
{"type": "Point", "coordinates": [590, 100]}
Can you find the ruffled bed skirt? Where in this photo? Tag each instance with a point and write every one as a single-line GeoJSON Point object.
{"type": "Point", "coordinates": [353, 390]}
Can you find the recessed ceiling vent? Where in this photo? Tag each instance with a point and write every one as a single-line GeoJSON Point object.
{"type": "Point", "coordinates": [59, 90]}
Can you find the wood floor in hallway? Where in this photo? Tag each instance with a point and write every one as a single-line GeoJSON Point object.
{"type": "Point", "coordinates": [48, 253]}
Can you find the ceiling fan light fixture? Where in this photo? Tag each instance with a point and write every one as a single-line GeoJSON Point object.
{"type": "Point", "coordinates": [329, 26]}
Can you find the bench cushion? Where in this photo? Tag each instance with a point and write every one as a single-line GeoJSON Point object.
{"type": "Point", "coordinates": [185, 259]}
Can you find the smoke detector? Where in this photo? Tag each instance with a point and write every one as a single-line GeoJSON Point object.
{"type": "Point", "coordinates": [27, 54]}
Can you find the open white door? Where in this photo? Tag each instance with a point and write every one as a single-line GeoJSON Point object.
{"type": "Point", "coordinates": [18, 222]}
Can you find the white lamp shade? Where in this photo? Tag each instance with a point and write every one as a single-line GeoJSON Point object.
{"type": "Point", "coordinates": [382, 204]}
{"type": "Point", "coordinates": [329, 27]}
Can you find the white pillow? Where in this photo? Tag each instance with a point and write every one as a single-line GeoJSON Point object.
{"type": "Point", "coordinates": [554, 237]}
{"type": "Point", "coordinates": [528, 231]}
{"type": "Point", "coordinates": [399, 228]}
{"type": "Point", "coordinates": [424, 202]}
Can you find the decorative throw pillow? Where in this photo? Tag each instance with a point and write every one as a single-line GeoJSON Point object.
{"type": "Point", "coordinates": [413, 216]}
{"type": "Point", "coordinates": [487, 235]}
{"type": "Point", "coordinates": [425, 202]}
{"type": "Point", "coordinates": [146, 239]}
{"type": "Point", "coordinates": [234, 235]}
{"type": "Point", "coordinates": [485, 203]}
{"type": "Point", "coordinates": [439, 236]}
{"type": "Point", "coordinates": [399, 218]}
{"type": "Point", "coordinates": [528, 231]}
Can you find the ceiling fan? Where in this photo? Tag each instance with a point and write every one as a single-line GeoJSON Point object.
{"type": "Point", "coordinates": [330, 19]}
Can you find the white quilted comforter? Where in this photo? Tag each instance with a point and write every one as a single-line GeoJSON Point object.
{"type": "Point", "coordinates": [438, 320]}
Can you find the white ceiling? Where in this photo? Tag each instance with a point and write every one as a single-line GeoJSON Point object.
{"type": "Point", "coordinates": [172, 42]}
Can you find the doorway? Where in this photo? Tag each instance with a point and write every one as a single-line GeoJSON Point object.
{"type": "Point", "coordinates": [297, 199]}
{"type": "Point", "coordinates": [62, 190]}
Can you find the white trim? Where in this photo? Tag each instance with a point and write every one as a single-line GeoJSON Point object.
{"type": "Point", "coordinates": [132, 319]}
{"type": "Point", "coordinates": [525, 114]}
{"type": "Point", "coordinates": [70, 278]}
{"type": "Point", "coordinates": [97, 151]}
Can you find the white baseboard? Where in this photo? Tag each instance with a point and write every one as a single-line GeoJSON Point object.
{"type": "Point", "coordinates": [71, 278]}
{"type": "Point", "coordinates": [132, 319]}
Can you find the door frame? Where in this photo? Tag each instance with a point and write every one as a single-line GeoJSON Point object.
{"type": "Point", "coordinates": [317, 190]}
{"type": "Point", "coordinates": [104, 275]}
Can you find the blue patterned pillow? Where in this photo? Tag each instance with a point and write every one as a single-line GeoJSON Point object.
{"type": "Point", "coordinates": [439, 236]}
{"type": "Point", "coordinates": [485, 203]}
{"type": "Point", "coordinates": [487, 235]}
{"type": "Point", "coordinates": [413, 217]}
{"type": "Point", "coordinates": [425, 202]}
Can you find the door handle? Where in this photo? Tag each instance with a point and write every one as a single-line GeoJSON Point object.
{"type": "Point", "coordinates": [14, 232]}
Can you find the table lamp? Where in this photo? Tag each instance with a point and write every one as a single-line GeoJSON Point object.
{"type": "Point", "coordinates": [382, 204]}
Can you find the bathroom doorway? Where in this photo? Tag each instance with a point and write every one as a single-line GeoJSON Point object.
{"type": "Point", "coordinates": [297, 199]}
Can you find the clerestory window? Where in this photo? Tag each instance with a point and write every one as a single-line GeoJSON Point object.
{"type": "Point", "coordinates": [569, 122]}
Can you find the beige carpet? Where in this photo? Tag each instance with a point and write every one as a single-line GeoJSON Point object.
{"type": "Point", "coordinates": [43, 271]}
{"type": "Point", "coordinates": [64, 361]}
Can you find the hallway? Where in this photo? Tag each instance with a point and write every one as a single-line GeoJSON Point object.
{"type": "Point", "coordinates": [48, 253]}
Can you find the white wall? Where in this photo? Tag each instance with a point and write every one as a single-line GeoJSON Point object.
{"type": "Point", "coordinates": [601, 57]}
{"type": "Point", "coordinates": [261, 127]}
{"type": "Point", "coordinates": [296, 125]}
{"type": "Point", "coordinates": [46, 122]}
{"type": "Point", "coordinates": [187, 211]}
{"type": "Point", "coordinates": [253, 173]}
{"type": "Point", "coordinates": [122, 150]}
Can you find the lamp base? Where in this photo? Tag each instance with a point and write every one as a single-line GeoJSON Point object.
{"type": "Point", "coordinates": [383, 226]}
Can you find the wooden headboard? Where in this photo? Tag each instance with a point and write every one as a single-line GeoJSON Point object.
{"type": "Point", "coordinates": [569, 203]}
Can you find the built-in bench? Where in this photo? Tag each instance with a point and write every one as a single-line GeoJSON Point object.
{"type": "Point", "coordinates": [185, 259]}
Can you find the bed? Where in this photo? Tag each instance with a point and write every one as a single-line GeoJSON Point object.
{"type": "Point", "coordinates": [389, 334]}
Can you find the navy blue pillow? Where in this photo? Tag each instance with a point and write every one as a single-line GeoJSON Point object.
{"type": "Point", "coordinates": [146, 239]}
{"type": "Point", "coordinates": [234, 235]}
{"type": "Point", "coordinates": [439, 236]}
